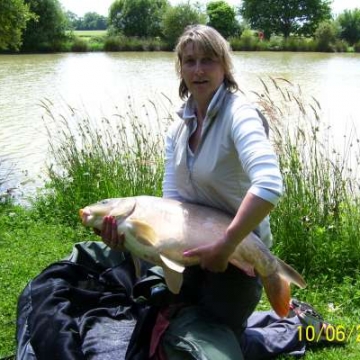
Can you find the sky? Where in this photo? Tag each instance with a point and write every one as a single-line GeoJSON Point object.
{"type": "Point", "coordinates": [80, 7]}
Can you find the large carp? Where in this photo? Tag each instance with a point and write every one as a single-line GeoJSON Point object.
{"type": "Point", "coordinates": [159, 230]}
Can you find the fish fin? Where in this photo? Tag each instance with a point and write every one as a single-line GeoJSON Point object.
{"type": "Point", "coordinates": [121, 214]}
{"type": "Point", "coordinates": [137, 265]}
{"type": "Point", "coordinates": [171, 264]}
{"type": "Point", "coordinates": [247, 268]}
{"type": "Point", "coordinates": [277, 287]}
{"type": "Point", "coordinates": [173, 274]}
{"type": "Point", "coordinates": [291, 274]}
{"type": "Point", "coordinates": [173, 279]}
{"type": "Point", "coordinates": [143, 231]}
{"type": "Point", "coordinates": [277, 290]}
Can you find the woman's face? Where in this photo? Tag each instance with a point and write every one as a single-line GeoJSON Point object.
{"type": "Point", "coordinates": [202, 73]}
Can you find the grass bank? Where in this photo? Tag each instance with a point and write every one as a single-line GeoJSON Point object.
{"type": "Point", "coordinates": [314, 225]}
{"type": "Point", "coordinates": [85, 41]}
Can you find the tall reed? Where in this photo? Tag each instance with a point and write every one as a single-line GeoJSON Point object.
{"type": "Point", "coordinates": [95, 159]}
{"type": "Point", "coordinates": [315, 224]}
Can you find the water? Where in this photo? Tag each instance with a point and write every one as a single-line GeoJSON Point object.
{"type": "Point", "coordinates": [100, 84]}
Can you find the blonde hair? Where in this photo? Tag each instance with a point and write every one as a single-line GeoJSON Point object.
{"type": "Point", "coordinates": [211, 43]}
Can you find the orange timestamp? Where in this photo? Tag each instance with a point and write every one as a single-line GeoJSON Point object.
{"type": "Point", "coordinates": [329, 333]}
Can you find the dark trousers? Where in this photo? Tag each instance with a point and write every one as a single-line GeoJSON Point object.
{"type": "Point", "coordinates": [229, 297]}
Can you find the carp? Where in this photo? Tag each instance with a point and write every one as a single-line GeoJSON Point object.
{"type": "Point", "coordinates": [160, 230]}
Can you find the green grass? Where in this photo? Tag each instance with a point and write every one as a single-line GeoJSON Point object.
{"type": "Point", "coordinates": [28, 244]}
{"type": "Point", "coordinates": [315, 224]}
{"type": "Point", "coordinates": [339, 305]}
{"type": "Point", "coordinates": [99, 40]}
{"type": "Point", "coordinates": [249, 41]}
{"type": "Point", "coordinates": [88, 40]}
{"type": "Point", "coordinates": [90, 33]}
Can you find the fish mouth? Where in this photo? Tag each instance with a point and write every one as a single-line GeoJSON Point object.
{"type": "Point", "coordinates": [84, 216]}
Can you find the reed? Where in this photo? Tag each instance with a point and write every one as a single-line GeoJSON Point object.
{"type": "Point", "coordinates": [92, 160]}
{"type": "Point", "coordinates": [314, 224]}
{"type": "Point", "coordinates": [123, 43]}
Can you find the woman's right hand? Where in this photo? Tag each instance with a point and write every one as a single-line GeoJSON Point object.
{"type": "Point", "coordinates": [109, 234]}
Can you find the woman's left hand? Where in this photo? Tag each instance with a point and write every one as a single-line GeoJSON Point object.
{"type": "Point", "coordinates": [213, 257]}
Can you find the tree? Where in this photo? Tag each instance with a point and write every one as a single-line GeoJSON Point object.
{"type": "Point", "coordinates": [93, 21]}
{"type": "Point", "coordinates": [285, 17]}
{"type": "Point", "coordinates": [90, 21]}
{"type": "Point", "coordinates": [222, 17]}
{"type": "Point", "coordinates": [72, 20]}
{"type": "Point", "coordinates": [349, 22]}
{"type": "Point", "coordinates": [177, 18]}
{"type": "Point", "coordinates": [14, 15]}
{"type": "Point", "coordinates": [48, 29]}
{"type": "Point", "coordinates": [326, 35]}
{"type": "Point", "coordinates": [137, 17]}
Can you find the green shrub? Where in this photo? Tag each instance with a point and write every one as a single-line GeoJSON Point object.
{"type": "Point", "coordinates": [79, 45]}
{"type": "Point", "coordinates": [293, 43]}
{"type": "Point", "coordinates": [246, 42]}
{"type": "Point", "coordinates": [132, 44]}
{"type": "Point", "coordinates": [154, 44]}
{"type": "Point", "coordinates": [262, 45]}
{"type": "Point", "coordinates": [123, 43]}
{"type": "Point", "coordinates": [235, 43]}
{"type": "Point", "coordinates": [340, 45]}
{"type": "Point", "coordinates": [113, 43]}
{"type": "Point", "coordinates": [326, 35]}
{"type": "Point", "coordinates": [357, 47]}
{"type": "Point", "coordinates": [311, 45]}
{"type": "Point", "coordinates": [275, 43]}
{"type": "Point", "coordinates": [95, 46]}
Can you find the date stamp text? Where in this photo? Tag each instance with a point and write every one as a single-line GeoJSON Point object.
{"type": "Point", "coordinates": [329, 333]}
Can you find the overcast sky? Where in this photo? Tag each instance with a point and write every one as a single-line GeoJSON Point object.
{"type": "Point", "coordinates": [80, 7]}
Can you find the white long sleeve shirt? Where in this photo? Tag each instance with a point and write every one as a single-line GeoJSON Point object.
{"type": "Point", "coordinates": [234, 156]}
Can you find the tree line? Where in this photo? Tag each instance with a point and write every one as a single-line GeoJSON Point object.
{"type": "Point", "coordinates": [90, 21]}
{"type": "Point", "coordinates": [35, 25]}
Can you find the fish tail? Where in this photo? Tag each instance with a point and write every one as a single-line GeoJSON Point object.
{"type": "Point", "coordinates": [277, 290]}
{"type": "Point", "coordinates": [277, 287]}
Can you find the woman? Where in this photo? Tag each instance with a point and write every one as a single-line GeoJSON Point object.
{"type": "Point", "coordinates": [218, 154]}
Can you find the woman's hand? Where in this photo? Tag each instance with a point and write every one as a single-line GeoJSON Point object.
{"type": "Point", "coordinates": [213, 257]}
{"type": "Point", "coordinates": [109, 234]}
